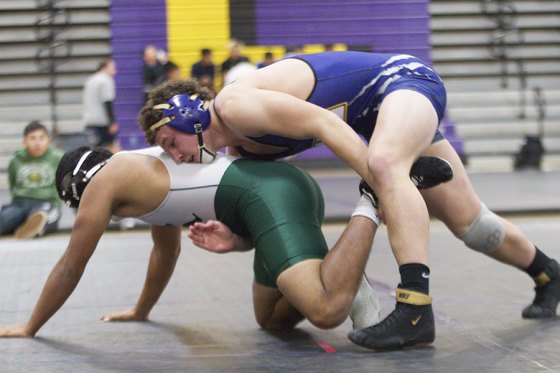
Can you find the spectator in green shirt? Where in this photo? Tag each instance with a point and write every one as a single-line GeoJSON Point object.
{"type": "Point", "coordinates": [35, 206]}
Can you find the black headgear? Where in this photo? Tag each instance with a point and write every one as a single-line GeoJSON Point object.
{"type": "Point", "coordinates": [74, 183]}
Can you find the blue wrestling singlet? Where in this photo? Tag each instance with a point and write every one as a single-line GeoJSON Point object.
{"type": "Point", "coordinates": [352, 85]}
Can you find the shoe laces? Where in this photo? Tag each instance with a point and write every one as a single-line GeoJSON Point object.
{"type": "Point", "coordinates": [539, 294]}
{"type": "Point", "coordinates": [393, 318]}
{"type": "Point", "coordinates": [543, 294]}
{"type": "Point", "coordinates": [366, 190]}
{"type": "Point", "coordinates": [418, 181]}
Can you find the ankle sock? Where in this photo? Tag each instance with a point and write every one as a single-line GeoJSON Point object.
{"type": "Point", "coordinates": [415, 277]}
{"type": "Point", "coordinates": [539, 263]}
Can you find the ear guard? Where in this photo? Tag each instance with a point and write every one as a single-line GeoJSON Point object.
{"type": "Point", "coordinates": [184, 113]}
{"type": "Point", "coordinates": [75, 182]}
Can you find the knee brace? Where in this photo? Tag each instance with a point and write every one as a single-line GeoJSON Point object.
{"type": "Point", "coordinates": [485, 233]}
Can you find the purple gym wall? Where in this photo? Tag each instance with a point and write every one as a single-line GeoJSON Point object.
{"type": "Point", "coordinates": [134, 24]}
{"type": "Point", "coordinates": [381, 26]}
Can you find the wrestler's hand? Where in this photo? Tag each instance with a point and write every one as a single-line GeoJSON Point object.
{"type": "Point", "coordinates": [15, 331]}
{"type": "Point", "coordinates": [213, 236]}
{"type": "Point", "coordinates": [113, 128]}
{"type": "Point", "coordinates": [128, 315]}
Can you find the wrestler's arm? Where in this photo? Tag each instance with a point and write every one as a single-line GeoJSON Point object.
{"type": "Point", "coordinates": [165, 252]}
{"type": "Point", "coordinates": [231, 150]}
{"type": "Point", "coordinates": [255, 112]}
{"type": "Point", "coordinates": [92, 219]}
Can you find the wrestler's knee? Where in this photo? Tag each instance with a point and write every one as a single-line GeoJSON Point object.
{"type": "Point", "coordinates": [329, 316]}
{"type": "Point", "coordinates": [326, 316]}
{"type": "Point", "coordinates": [271, 324]}
{"type": "Point", "coordinates": [485, 233]}
{"type": "Point", "coordinates": [383, 168]}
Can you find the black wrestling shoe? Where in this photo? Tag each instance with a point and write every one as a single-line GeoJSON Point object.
{"type": "Point", "coordinates": [427, 172]}
{"type": "Point", "coordinates": [411, 324]}
{"type": "Point", "coordinates": [366, 190]}
{"type": "Point", "coordinates": [547, 294]}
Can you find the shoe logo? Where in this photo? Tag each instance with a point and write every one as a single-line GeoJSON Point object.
{"type": "Point", "coordinates": [404, 295]}
{"type": "Point", "coordinates": [425, 275]}
{"type": "Point", "coordinates": [415, 321]}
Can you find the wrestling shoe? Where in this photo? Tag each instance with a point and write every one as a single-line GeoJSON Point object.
{"type": "Point", "coordinates": [411, 324]}
{"type": "Point", "coordinates": [427, 172]}
{"type": "Point", "coordinates": [547, 293]}
{"type": "Point", "coordinates": [365, 307]}
{"type": "Point", "coordinates": [33, 226]}
{"type": "Point", "coordinates": [366, 190]}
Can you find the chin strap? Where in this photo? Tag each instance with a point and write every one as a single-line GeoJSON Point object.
{"type": "Point", "coordinates": [204, 154]}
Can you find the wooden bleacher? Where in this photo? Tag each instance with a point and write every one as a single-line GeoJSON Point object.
{"type": "Point", "coordinates": [487, 114]}
{"type": "Point", "coordinates": [24, 85]}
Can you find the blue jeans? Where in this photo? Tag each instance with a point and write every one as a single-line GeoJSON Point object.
{"type": "Point", "coordinates": [14, 214]}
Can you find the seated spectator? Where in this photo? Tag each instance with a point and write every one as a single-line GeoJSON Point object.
{"type": "Point", "coordinates": [267, 60]}
{"type": "Point", "coordinates": [35, 206]}
{"type": "Point", "coordinates": [206, 81]}
{"type": "Point", "coordinates": [152, 72]}
{"type": "Point", "coordinates": [293, 51]}
{"type": "Point", "coordinates": [235, 57]}
{"type": "Point", "coordinates": [204, 70]}
{"type": "Point", "coordinates": [172, 71]}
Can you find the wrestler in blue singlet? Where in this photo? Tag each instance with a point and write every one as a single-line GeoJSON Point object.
{"type": "Point", "coordinates": [352, 85]}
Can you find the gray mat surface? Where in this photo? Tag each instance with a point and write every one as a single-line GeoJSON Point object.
{"type": "Point", "coordinates": [204, 321]}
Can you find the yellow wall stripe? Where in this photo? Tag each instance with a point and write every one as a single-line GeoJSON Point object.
{"type": "Point", "coordinates": [192, 26]}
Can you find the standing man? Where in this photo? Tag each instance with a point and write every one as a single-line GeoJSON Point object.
{"type": "Point", "coordinates": [98, 97]}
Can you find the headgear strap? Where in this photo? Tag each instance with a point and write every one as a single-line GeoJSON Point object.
{"type": "Point", "coordinates": [70, 182]}
{"type": "Point", "coordinates": [81, 162]}
{"type": "Point", "coordinates": [203, 151]}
